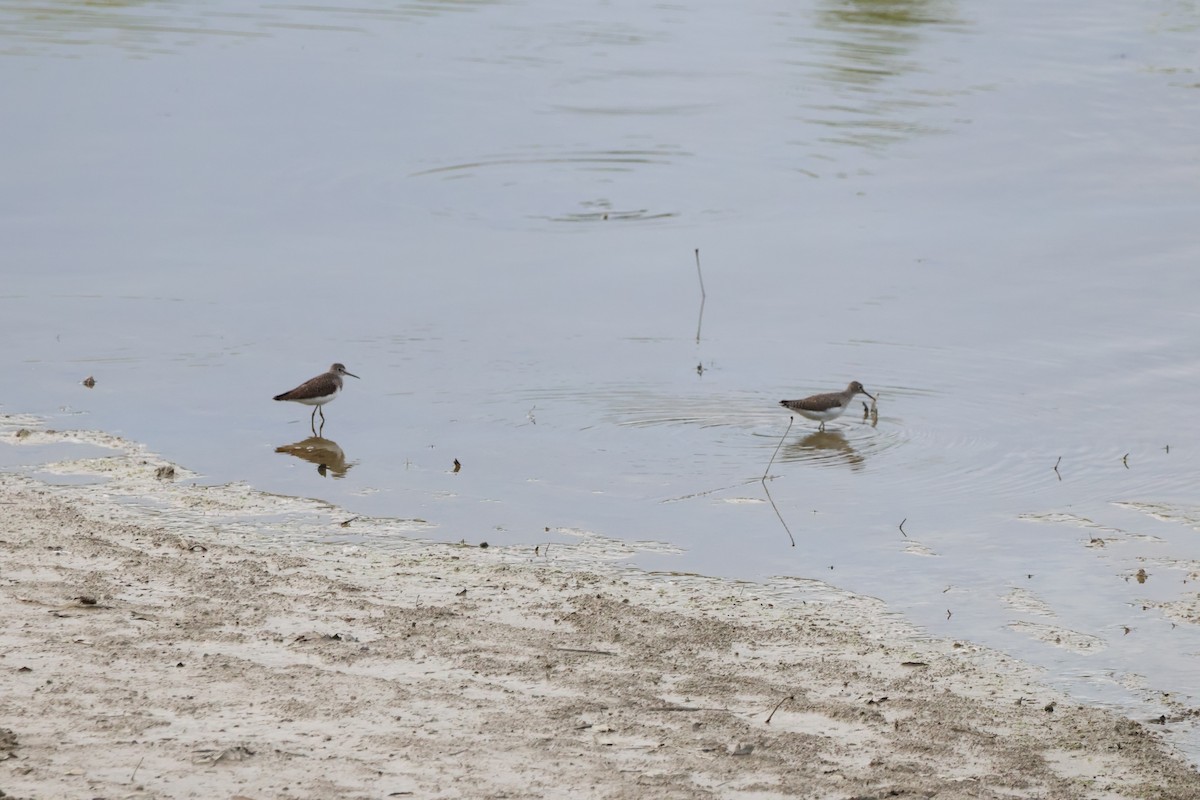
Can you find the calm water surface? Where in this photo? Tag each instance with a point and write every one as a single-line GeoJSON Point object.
{"type": "Point", "coordinates": [489, 211]}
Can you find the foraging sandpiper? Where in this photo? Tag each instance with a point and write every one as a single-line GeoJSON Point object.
{"type": "Point", "coordinates": [826, 407]}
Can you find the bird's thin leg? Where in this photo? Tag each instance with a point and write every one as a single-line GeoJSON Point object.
{"type": "Point", "coordinates": [822, 427]}
{"type": "Point", "coordinates": [313, 420]}
{"type": "Point", "coordinates": [322, 431]}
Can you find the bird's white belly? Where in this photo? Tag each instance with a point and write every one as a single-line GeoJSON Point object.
{"type": "Point", "coordinates": [316, 401]}
{"type": "Point", "coordinates": [822, 416]}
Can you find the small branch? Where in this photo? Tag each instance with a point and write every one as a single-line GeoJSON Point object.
{"type": "Point", "coordinates": [764, 480]}
{"type": "Point", "coordinates": [703, 296]}
{"type": "Point", "coordinates": [777, 705]}
{"type": "Point", "coordinates": [1125, 460]}
{"type": "Point", "coordinates": [683, 708]}
{"type": "Point", "coordinates": [902, 526]}
{"type": "Point", "coordinates": [583, 650]}
{"type": "Point", "coordinates": [1056, 472]}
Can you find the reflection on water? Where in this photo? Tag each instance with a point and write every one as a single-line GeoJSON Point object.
{"type": "Point", "coordinates": [823, 447]}
{"type": "Point", "coordinates": [138, 27]}
{"type": "Point", "coordinates": [149, 28]}
{"type": "Point", "coordinates": [325, 453]}
{"type": "Point", "coordinates": [871, 54]}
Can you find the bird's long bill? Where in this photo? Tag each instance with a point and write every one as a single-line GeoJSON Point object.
{"type": "Point", "coordinates": [868, 394]}
{"type": "Point", "coordinates": [352, 375]}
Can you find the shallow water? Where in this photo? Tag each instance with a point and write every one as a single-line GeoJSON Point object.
{"type": "Point", "coordinates": [490, 213]}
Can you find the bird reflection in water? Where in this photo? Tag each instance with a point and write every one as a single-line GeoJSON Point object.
{"type": "Point", "coordinates": [823, 446]}
{"type": "Point", "coordinates": [325, 453]}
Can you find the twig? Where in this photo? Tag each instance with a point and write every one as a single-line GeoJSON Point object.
{"type": "Point", "coordinates": [1125, 460]}
{"type": "Point", "coordinates": [682, 708]}
{"type": "Point", "coordinates": [902, 526]}
{"type": "Point", "coordinates": [703, 296]}
{"type": "Point", "coordinates": [135, 769]}
{"type": "Point", "coordinates": [585, 651]}
{"type": "Point", "coordinates": [768, 470]}
{"type": "Point", "coordinates": [1056, 472]}
{"type": "Point", "coordinates": [777, 705]}
{"type": "Point", "coordinates": [781, 441]}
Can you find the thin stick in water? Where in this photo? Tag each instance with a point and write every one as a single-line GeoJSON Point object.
{"type": "Point", "coordinates": [902, 526]}
{"type": "Point", "coordinates": [703, 296]}
{"type": "Point", "coordinates": [1056, 472]}
{"type": "Point", "coordinates": [768, 470]}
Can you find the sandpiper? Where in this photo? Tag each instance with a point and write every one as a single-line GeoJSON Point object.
{"type": "Point", "coordinates": [318, 391]}
{"type": "Point", "coordinates": [826, 407]}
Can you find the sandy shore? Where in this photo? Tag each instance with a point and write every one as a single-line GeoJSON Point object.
{"type": "Point", "coordinates": [167, 640]}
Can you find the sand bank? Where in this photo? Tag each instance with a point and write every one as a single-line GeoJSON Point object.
{"type": "Point", "coordinates": [167, 640]}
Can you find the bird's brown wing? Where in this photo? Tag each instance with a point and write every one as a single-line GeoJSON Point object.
{"type": "Point", "coordinates": [310, 387]}
{"type": "Point", "coordinates": [818, 402]}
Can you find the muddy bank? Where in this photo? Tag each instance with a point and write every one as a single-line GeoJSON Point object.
{"type": "Point", "coordinates": [168, 640]}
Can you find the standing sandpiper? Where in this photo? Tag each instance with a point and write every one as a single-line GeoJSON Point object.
{"type": "Point", "coordinates": [318, 391]}
{"type": "Point", "coordinates": [826, 407]}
